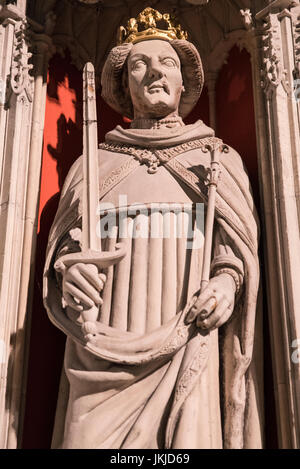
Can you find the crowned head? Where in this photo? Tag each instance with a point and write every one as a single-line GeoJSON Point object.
{"type": "Point", "coordinates": [154, 71]}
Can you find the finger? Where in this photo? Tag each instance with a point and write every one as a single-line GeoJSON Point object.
{"type": "Point", "coordinates": [79, 280]}
{"type": "Point", "coordinates": [102, 277]}
{"type": "Point", "coordinates": [72, 314]}
{"type": "Point", "coordinates": [224, 318]}
{"type": "Point", "coordinates": [91, 274]}
{"type": "Point", "coordinates": [89, 327]}
{"type": "Point", "coordinates": [97, 280]}
{"type": "Point", "coordinates": [90, 338]}
{"type": "Point", "coordinates": [214, 317]}
{"type": "Point", "coordinates": [71, 302]}
{"type": "Point", "coordinates": [82, 297]}
{"type": "Point", "coordinates": [209, 306]}
{"type": "Point", "coordinates": [194, 311]}
{"type": "Point", "coordinates": [205, 295]}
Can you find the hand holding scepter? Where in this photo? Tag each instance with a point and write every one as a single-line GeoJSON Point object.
{"type": "Point", "coordinates": [215, 301]}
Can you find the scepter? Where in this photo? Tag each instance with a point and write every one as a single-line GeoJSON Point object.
{"type": "Point", "coordinates": [91, 250]}
{"type": "Point", "coordinates": [214, 176]}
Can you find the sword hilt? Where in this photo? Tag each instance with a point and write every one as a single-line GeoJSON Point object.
{"type": "Point", "coordinates": [101, 259]}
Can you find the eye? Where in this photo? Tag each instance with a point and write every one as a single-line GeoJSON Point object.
{"type": "Point", "coordinates": [138, 64]}
{"type": "Point", "coordinates": [169, 62]}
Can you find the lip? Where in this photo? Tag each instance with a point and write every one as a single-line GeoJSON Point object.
{"type": "Point", "coordinates": [155, 86]}
{"type": "Point", "coordinates": [158, 86]}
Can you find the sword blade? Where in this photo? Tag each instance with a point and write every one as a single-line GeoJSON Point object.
{"type": "Point", "coordinates": [90, 239]}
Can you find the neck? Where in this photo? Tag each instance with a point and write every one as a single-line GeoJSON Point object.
{"type": "Point", "coordinates": [163, 123]}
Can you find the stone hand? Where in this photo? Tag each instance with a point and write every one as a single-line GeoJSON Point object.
{"type": "Point", "coordinates": [215, 304]}
{"type": "Point", "coordinates": [82, 285]}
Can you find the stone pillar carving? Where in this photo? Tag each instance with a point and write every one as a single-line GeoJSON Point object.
{"type": "Point", "coordinates": [279, 149]}
{"type": "Point", "coordinates": [24, 54]}
{"type": "Point", "coordinates": [296, 36]}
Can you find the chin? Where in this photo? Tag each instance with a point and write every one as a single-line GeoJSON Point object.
{"type": "Point", "coordinates": [159, 109]}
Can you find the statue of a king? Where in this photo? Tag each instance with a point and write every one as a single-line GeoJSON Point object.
{"type": "Point", "coordinates": [165, 365]}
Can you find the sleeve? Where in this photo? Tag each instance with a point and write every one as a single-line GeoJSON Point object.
{"type": "Point", "coordinates": [70, 243]}
{"type": "Point", "coordinates": [226, 260]}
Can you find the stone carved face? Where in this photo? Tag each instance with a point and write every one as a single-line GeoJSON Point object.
{"type": "Point", "coordinates": [154, 79]}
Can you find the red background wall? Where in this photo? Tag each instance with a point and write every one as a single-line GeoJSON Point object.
{"type": "Point", "coordinates": [62, 145]}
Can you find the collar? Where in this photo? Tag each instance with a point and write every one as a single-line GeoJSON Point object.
{"type": "Point", "coordinates": [159, 138]}
{"type": "Point", "coordinates": [167, 123]}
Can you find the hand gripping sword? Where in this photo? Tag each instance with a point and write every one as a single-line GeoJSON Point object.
{"type": "Point", "coordinates": [91, 252]}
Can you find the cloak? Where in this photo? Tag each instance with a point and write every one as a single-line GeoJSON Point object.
{"type": "Point", "coordinates": [131, 390]}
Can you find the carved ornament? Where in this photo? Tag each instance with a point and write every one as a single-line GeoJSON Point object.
{"type": "Point", "coordinates": [247, 18]}
{"type": "Point", "coordinates": [273, 72]}
{"type": "Point", "coordinates": [296, 24]}
{"type": "Point", "coordinates": [145, 27]}
{"type": "Point", "coordinates": [20, 78]}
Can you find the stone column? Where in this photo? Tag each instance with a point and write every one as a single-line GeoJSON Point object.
{"type": "Point", "coordinates": [277, 119]}
{"type": "Point", "coordinates": [24, 51]}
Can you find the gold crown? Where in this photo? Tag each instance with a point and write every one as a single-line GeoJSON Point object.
{"type": "Point", "coordinates": [149, 18]}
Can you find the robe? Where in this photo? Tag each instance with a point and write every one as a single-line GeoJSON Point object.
{"type": "Point", "coordinates": [147, 379]}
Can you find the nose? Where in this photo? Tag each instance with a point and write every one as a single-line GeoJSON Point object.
{"type": "Point", "coordinates": [155, 69]}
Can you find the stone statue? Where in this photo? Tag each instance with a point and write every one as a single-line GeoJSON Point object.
{"type": "Point", "coordinates": [164, 366]}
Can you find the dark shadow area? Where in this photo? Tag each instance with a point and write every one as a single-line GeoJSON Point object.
{"type": "Point", "coordinates": [9, 375]}
{"type": "Point", "coordinates": [235, 112]}
{"type": "Point", "coordinates": [46, 353]}
{"type": "Point", "coordinates": [200, 111]}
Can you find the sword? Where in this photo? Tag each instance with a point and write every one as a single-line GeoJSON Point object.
{"type": "Point", "coordinates": [91, 252]}
{"type": "Point", "coordinates": [90, 198]}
